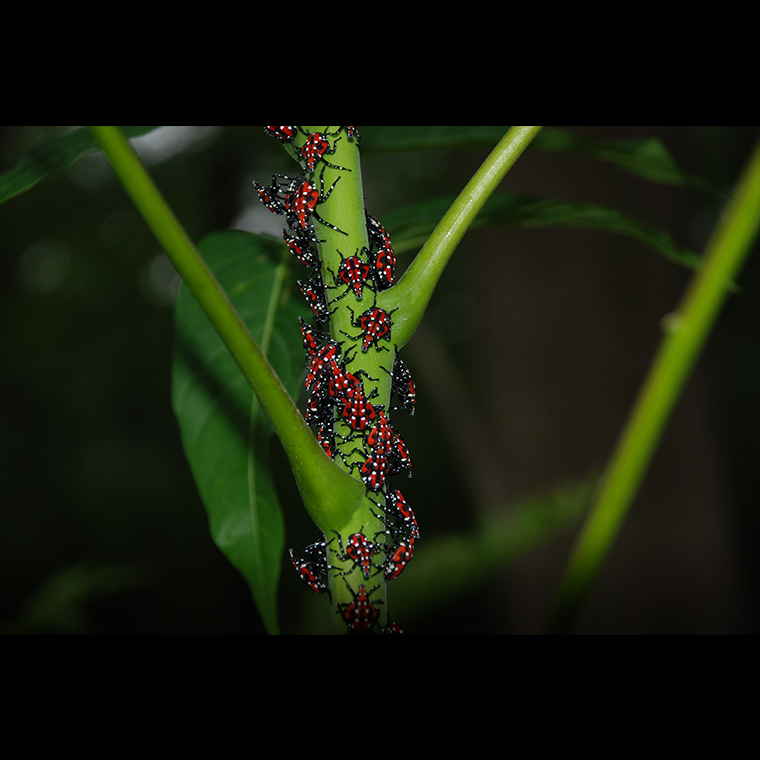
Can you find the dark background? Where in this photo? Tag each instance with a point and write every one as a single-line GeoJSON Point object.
{"type": "Point", "coordinates": [526, 364]}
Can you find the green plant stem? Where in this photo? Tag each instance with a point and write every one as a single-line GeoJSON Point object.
{"type": "Point", "coordinates": [413, 291]}
{"type": "Point", "coordinates": [345, 209]}
{"type": "Point", "coordinates": [323, 486]}
{"type": "Point", "coordinates": [687, 331]}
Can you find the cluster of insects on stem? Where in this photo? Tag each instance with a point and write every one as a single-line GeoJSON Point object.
{"type": "Point", "coordinates": [349, 422]}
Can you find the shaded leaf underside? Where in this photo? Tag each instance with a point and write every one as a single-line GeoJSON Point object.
{"type": "Point", "coordinates": [52, 156]}
{"type": "Point", "coordinates": [411, 225]}
{"type": "Point", "coordinates": [225, 434]}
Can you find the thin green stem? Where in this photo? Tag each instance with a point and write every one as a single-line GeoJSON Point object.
{"type": "Point", "coordinates": [687, 331]}
{"type": "Point", "coordinates": [196, 275]}
{"type": "Point", "coordinates": [413, 291]}
{"type": "Point", "coordinates": [326, 490]}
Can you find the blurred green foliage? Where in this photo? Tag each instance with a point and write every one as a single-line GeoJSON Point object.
{"type": "Point", "coordinates": [101, 527]}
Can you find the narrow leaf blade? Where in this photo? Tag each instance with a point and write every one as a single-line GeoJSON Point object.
{"type": "Point", "coordinates": [225, 434]}
{"type": "Point", "coordinates": [411, 225]}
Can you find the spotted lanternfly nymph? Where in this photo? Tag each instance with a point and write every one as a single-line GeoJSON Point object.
{"type": "Point", "coordinates": [398, 559]}
{"type": "Point", "coordinates": [360, 615]}
{"type": "Point", "coordinates": [398, 517]}
{"type": "Point", "coordinates": [373, 471]}
{"type": "Point", "coordinates": [316, 147]}
{"type": "Point", "coordinates": [327, 352]}
{"type": "Point", "coordinates": [313, 571]}
{"type": "Point", "coordinates": [383, 260]}
{"type": "Point", "coordinates": [352, 134]}
{"type": "Point", "coordinates": [375, 324]}
{"type": "Point", "coordinates": [360, 550]}
{"type": "Point", "coordinates": [313, 340]}
{"type": "Point", "coordinates": [399, 456]}
{"type": "Point", "coordinates": [302, 199]}
{"type": "Point", "coordinates": [270, 196]}
{"type": "Point", "coordinates": [299, 244]}
{"type": "Point", "coordinates": [358, 412]}
{"type": "Point", "coordinates": [402, 386]}
{"type": "Point", "coordinates": [380, 438]}
{"type": "Point", "coordinates": [314, 293]}
{"type": "Point", "coordinates": [319, 404]}
{"type": "Point", "coordinates": [286, 134]}
{"type": "Point", "coordinates": [354, 273]}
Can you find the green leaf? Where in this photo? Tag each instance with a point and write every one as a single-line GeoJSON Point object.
{"type": "Point", "coordinates": [52, 156]}
{"type": "Point", "coordinates": [647, 158]}
{"type": "Point", "coordinates": [411, 225]}
{"type": "Point", "coordinates": [225, 434]}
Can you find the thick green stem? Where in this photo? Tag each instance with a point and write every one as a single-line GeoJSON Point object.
{"type": "Point", "coordinates": [344, 209]}
{"type": "Point", "coordinates": [687, 331]}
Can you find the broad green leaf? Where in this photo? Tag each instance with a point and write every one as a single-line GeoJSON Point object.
{"type": "Point", "coordinates": [410, 226]}
{"type": "Point", "coordinates": [647, 158]}
{"type": "Point", "coordinates": [225, 434]}
{"type": "Point", "coordinates": [52, 156]}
